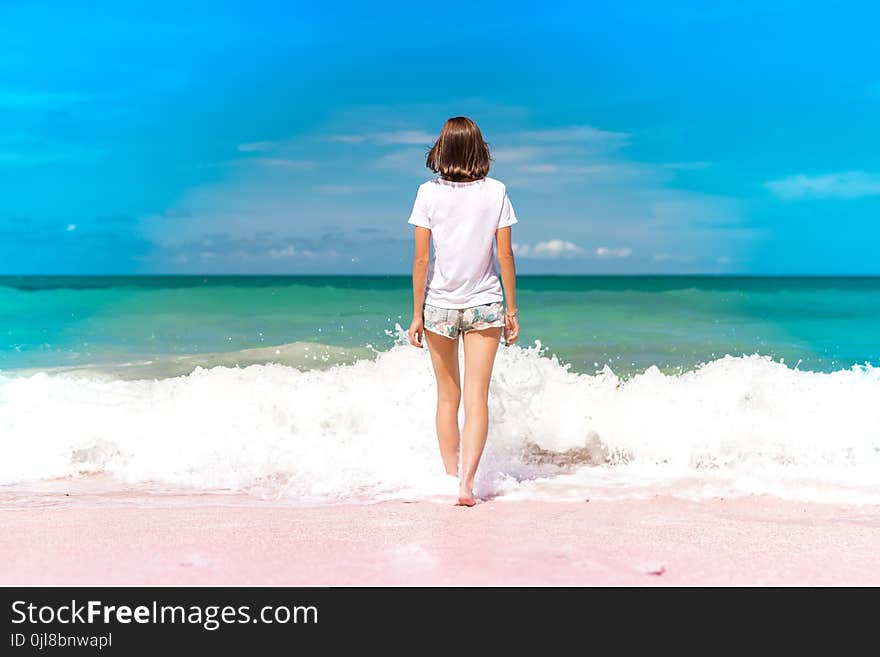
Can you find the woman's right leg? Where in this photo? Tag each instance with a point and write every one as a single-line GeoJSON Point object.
{"type": "Point", "coordinates": [480, 347]}
{"type": "Point", "coordinates": [444, 357]}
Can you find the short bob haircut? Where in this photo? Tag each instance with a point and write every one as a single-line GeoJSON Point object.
{"type": "Point", "coordinates": [460, 153]}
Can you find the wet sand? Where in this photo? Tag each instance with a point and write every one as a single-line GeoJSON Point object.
{"type": "Point", "coordinates": [660, 541]}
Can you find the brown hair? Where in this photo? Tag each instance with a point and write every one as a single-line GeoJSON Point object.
{"type": "Point", "coordinates": [460, 154]}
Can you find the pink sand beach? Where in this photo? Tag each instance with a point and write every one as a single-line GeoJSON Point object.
{"type": "Point", "coordinates": [661, 541]}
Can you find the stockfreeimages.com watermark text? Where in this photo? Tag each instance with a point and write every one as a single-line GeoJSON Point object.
{"type": "Point", "coordinates": [210, 617]}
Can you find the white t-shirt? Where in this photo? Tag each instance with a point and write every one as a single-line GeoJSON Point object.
{"type": "Point", "coordinates": [463, 218]}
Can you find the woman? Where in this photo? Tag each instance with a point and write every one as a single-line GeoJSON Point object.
{"type": "Point", "coordinates": [458, 292]}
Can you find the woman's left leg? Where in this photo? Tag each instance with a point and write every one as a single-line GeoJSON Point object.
{"type": "Point", "coordinates": [480, 347]}
{"type": "Point", "coordinates": [444, 357]}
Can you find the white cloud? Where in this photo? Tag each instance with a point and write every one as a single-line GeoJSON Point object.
{"type": "Point", "coordinates": [596, 169]}
{"type": "Point", "coordinates": [615, 212]}
{"type": "Point", "coordinates": [411, 160]}
{"type": "Point", "coordinates": [582, 133]}
{"type": "Point", "coordinates": [671, 257]}
{"type": "Point", "coordinates": [608, 252]}
{"type": "Point", "coordinates": [587, 170]}
{"type": "Point", "coordinates": [348, 139]}
{"type": "Point", "coordinates": [398, 137]}
{"type": "Point", "coordinates": [291, 252]}
{"type": "Point", "coordinates": [248, 250]}
{"type": "Point", "coordinates": [258, 146]}
{"type": "Point", "coordinates": [70, 228]}
{"type": "Point", "coordinates": [538, 168]}
{"type": "Point", "coordinates": [842, 185]}
{"type": "Point", "coordinates": [276, 162]}
{"type": "Point", "coordinates": [408, 137]}
{"type": "Point", "coordinates": [288, 251]}
{"type": "Point", "coordinates": [521, 154]}
{"type": "Point", "coordinates": [555, 248]}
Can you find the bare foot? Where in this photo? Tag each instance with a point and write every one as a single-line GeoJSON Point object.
{"type": "Point", "coordinates": [466, 497]}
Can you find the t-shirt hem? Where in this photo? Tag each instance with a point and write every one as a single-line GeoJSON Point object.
{"type": "Point", "coordinates": [470, 303]}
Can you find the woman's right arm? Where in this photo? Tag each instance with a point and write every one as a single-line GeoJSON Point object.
{"type": "Point", "coordinates": [508, 281]}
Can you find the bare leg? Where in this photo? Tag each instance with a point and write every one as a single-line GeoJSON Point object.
{"type": "Point", "coordinates": [444, 357]}
{"type": "Point", "coordinates": [479, 357]}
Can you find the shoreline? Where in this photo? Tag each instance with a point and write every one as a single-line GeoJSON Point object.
{"type": "Point", "coordinates": [661, 541]}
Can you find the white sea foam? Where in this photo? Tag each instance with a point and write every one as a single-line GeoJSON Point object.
{"type": "Point", "coordinates": [365, 431]}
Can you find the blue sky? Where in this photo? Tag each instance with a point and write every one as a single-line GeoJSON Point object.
{"type": "Point", "coordinates": [261, 137]}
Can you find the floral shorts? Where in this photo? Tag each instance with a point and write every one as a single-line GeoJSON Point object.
{"type": "Point", "coordinates": [452, 321]}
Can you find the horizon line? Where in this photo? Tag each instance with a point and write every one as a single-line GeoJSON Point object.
{"type": "Point", "coordinates": [387, 275]}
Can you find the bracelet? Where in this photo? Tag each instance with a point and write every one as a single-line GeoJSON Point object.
{"type": "Point", "coordinates": [514, 314]}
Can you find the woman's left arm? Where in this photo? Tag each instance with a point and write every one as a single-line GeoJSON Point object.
{"type": "Point", "coordinates": [419, 278]}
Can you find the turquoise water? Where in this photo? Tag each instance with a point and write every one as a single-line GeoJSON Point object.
{"type": "Point", "coordinates": [111, 383]}
{"type": "Point", "coordinates": [628, 322]}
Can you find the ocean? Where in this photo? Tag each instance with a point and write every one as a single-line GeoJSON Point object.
{"type": "Point", "coordinates": [302, 390]}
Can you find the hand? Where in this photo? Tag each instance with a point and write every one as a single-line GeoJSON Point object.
{"type": "Point", "coordinates": [511, 328]}
{"type": "Point", "coordinates": [415, 332]}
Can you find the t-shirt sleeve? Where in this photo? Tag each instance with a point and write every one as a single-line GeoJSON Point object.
{"type": "Point", "coordinates": [508, 216]}
{"type": "Point", "coordinates": [420, 214]}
